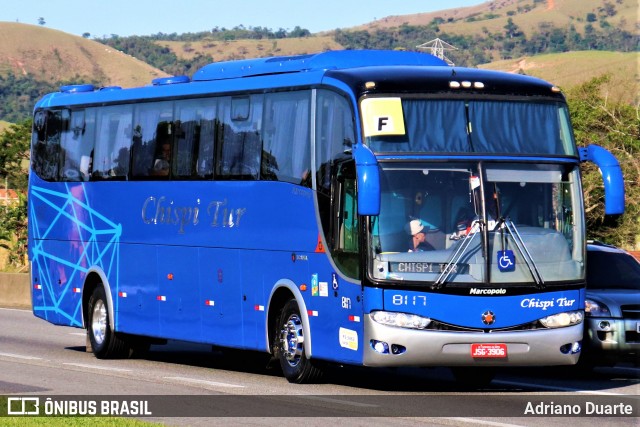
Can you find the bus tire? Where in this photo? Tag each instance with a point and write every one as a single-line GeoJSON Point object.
{"type": "Point", "coordinates": [289, 347]}
{"type": "Point", "coordinates": [105, 343]}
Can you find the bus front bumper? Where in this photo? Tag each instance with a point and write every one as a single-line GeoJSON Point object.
{"type": "Point", "coordinates": [411, 347]}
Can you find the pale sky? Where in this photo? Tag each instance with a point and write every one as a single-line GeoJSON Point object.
{"type": "Point", "coordinates": [146, 17]}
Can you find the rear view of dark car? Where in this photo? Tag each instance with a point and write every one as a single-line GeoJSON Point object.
{"type": "Point", "coordinates": [612, 307]}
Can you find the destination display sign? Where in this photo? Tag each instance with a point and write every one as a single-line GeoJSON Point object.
{"type": "Point", "coordinates": [427, 267]}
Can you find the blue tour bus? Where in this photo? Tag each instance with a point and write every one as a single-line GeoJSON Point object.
{"type": "Point", "coordinates": [374, 208]}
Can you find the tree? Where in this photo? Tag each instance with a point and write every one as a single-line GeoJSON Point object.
{"type": "Point", "coordinates": [14, 161]}
{"type": "Point", "coordinates": [41, 21]}
{"type": "Point", "coordinates": [14, 155]}
{"type": "Point", "coordinates": [13, 231]}
{"type": "Point", "coordinates": [616, 127]}
{"type": "Point", "coordinates": [511, 29]}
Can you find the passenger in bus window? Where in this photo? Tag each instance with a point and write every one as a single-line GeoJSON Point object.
{"type": "Point", "coordinates": [162, 164]}
{"type": "Point", "coordinates": [418, 234]}
{"type": "Point", "coordinates": [86, 166]}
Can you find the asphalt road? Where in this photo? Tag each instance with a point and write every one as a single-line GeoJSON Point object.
{"type": "Point", "coordinates": [40, 359]}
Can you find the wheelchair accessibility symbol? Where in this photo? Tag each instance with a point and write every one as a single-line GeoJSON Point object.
{"type": "Point", "coordinates": [506, 261]}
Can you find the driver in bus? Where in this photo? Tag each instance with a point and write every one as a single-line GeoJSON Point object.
{"type": "Point", "coordinates": [418, 234]}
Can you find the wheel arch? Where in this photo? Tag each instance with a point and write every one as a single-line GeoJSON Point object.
{"type": "Point", "coordinates": [96, 277]}
{"type": "Point", "coordinates": [282, 292]}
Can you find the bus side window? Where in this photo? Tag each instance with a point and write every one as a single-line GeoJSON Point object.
{"type": "Point", "coordinates": [286, 152]}
{"type": "Point", "coordinates": [239, 151]}
{"type": "Point", "coordinates": [113, 142]}
{"type": "Point", "coordinates": [151, 120]}
{"type": "Point", "coordinates": [46, 151]}
{"type": "Point", "coordinates": [77, 146]}
{"type": "Point", "coordinates": [194, 138]}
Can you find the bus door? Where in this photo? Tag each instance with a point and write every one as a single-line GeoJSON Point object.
{"type": "Point", "coordinates": [336, 302]}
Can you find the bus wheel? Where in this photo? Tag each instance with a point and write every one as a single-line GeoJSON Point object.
{"type": "Point", "coordinates": [289, 347]}
{"type": "Point", "coordinates": [104, 341]}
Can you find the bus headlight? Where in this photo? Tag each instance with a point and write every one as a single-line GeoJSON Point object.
{"type": "Point", "coordinates": [401, 320]}
{"type": "Point", "coordinates": [562, 320]}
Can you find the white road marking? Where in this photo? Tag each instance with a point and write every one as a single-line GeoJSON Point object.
{"type": "Point", "coordinates": [25, 310]}
{"type": "Point", "coordinates": [81, 334]}
{"type": "Point", "coordinates": [19, 356]}
{"type": "Point", "coordinates": [482, 422]}
{"type": "Point", "coordinates": [557, 388]}
{"type": "Point", "coordinates": [102, 368]}
{"type": "Point", "coordinates": [203, 382]}
{"type": "Point", "coordinates": [338, 401]}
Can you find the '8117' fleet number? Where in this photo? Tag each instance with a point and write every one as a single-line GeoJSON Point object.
{"type": "Point", "coordinates": [412, 300]}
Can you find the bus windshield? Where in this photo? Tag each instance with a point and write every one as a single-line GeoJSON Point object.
{"type": "Point", "coordinates": [473, 222]}
{"type": "Point", "coordinates": [467, 126]}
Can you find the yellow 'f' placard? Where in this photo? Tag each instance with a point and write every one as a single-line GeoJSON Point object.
{"type": "Point", "coordinates": [382, 116]}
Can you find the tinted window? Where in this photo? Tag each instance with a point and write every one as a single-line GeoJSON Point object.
{"type": "Point", "coordinates": [239, 138]}
{"type": "Point", "coordinates": [467, 126]}
{"type": "Point", "coordinates": [151, 130]}
{"type": "Point", "coordinates": [46, 149]}
{"type": "Point", "coordinates": [113, 141]}
{"type": "Point", "coordinates": [611, 270]}
{"type": "Point", "coordinates": [195, 137]}
{"type": "Point", "coordinates": [76, 146]}
{"type": "Point", "coordinates": [286, 151]}
{"type": "Point", "coordinates": [334, 136]}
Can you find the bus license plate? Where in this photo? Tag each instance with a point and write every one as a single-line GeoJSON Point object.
{"type": "Point", "coordinates": [488, 350]}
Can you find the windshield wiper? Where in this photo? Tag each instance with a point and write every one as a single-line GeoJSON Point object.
{"type": "Point", "coordinates": [522, 248]}
{"type": "Point", "coordinates": [457, 255]}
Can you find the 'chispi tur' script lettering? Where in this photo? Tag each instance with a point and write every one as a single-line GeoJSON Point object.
{"type": "Point", "coordinates": [217, 213]}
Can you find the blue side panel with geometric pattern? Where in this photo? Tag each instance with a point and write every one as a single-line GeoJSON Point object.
{"type": "Point", "coordinates": [59, 267]}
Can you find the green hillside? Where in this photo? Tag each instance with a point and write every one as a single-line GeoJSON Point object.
{"type": "Point", "coordinates": [569, 69]}
{"type": "Point", "coordinates": [493, 15]}
{"type": "Point", "coordinates": [52, 56]}
{"type": "Point", "coordinates": [537, 37]}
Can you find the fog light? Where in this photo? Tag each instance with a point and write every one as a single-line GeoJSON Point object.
{"type": "Point", "coordinates": [604, 325]}
{"type": "Point", "coordinates": [577, 346]}
{"type": "Point", "coordinates": [571, 348]}
{"type": "Point", "coordinates": [397, 349]}
{"type": "Point", "coordinates": [380, 346]}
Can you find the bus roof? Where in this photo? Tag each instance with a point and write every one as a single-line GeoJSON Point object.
{"type": "Point", "coordinates": [331, 60]}
{"type": "Point", "coordinates": [353, 67]}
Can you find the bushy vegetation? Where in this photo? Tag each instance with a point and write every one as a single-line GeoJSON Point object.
{"type": "Point", "coordinates": [18, 93]}
{"type": "Point", "coordinates": [486, 47]}
{"type": "Point", "coordinates": [147, 48]}
{"type": "Point", "coordinates": [14, 160]}
{"type": "Point", "coordinates": [615, 126]}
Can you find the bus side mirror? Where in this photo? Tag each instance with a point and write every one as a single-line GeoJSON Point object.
{"type": "Point", "coordinates": [611, 176]}
{"type": "Point", "coordinates": [368, 177]}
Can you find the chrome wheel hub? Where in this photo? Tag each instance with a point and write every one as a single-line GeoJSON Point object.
{"type": "Point", "coordinates": [292, 340]}
{"type": "Point", "coordinates": [99, 322]}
